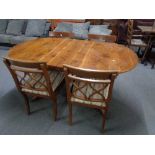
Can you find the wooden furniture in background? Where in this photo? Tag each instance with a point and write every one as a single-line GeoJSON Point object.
{"type": "Point", "coordinates": [55, 22]}
{"type": "Point", "coordinates": [111, 22]}
{"type": "Point", "coordinates": [133, 41]}
{"type": "Point", "coordinates": [113, 25]}
{"type": "Point", "coordinates": [89, 88]}
{"type": "Point", "coordinates": [104, 38]}
{"type": "Point", "coordinates": [137, 33]}
{"type": "Point", "coordinates": [62, 34]}
{"type": "Point", "coordinates": [122, 31]}
{"type": "Point", "coordinates": [152, 54]}
{"type": "Point", "coordinates": [143, 22]}
{"type": "Point", "coordinates": [33, 78]}
{"type": "Point", "coordinates": [95, 21]}
{"type": "Point", "coordinates": [78, 53]}
{"type": "Point", "coordinates": [149, 31]}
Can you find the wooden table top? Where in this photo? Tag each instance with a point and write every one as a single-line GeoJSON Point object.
{"type": "Point", "coordinates": [147, 29]}
{"type": "Point", "coordinates": [79, 53]}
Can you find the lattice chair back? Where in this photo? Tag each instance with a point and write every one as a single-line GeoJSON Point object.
{"type": "Point", "coordinates": [103, 38]}
{"type": "Point", "coordinates": [30, 77]}
{"type": "Point", "coordinates": [88, 86]}
{"type": "Point", "coordinates": [130, 31]}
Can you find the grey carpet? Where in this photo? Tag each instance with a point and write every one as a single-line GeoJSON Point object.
{"type": "Point", "coordinates": [131, 110]}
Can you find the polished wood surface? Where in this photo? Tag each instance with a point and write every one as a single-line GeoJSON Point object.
{"type": "Point", "coordinates": [147, 29]}
{"type": "Point", "coordinates": [78, 53]}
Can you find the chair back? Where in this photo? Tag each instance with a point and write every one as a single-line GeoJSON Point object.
{"type": "Point", "coordinates": [30, 76]}
{"type": "Point", "coordinates": [63, 34]}
{"type": "Point", "coordinates": [89, 85]}
{"type": "Point", "coordinates": [105, 38]}
{"type": "Point", "coordinates": [130, 30]}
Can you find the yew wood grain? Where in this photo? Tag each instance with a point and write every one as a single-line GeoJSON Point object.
{"type": "Point", "coordinates": [78, 53]}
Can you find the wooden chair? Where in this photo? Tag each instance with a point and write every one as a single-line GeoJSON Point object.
{"type": "Point", "coordinates": [133, 40]}
{"type": "Point", "coordinates": [35, 80]}
{"type": "Point", "coordinates": [105, 38]}
{"type": "Point", "coordinates": [89, 88]}
{"type": "Point", "coordinates": [63, 34]}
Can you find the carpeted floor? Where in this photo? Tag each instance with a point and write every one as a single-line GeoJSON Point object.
{"type": "Point", "coordinates": [132, 110]}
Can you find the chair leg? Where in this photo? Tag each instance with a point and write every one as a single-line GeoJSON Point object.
{"type": "Point", "coordinates": [152, 65]}
{"type": "Point", "coordinates": [54, 101]}
{"type": "Point", "coordinates": [70, 113]}
{"type": "Point", "coordinates": [27, 106]}
{"type": "Point", "coordinates": [138, 52]}
{"type": "Point", "coordinates": [103, 118]}
{"type": "Point", "coordinates": [143, 60]}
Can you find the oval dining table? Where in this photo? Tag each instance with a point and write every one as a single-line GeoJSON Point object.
{"type": "Point", "coordinates": [85, 54]}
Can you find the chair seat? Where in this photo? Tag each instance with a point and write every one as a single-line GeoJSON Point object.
{"type": "Point", "coordinates": [101, 104]}
{"type": "Point", "coordinates": [137, 36]}
{"type": "Point", "coordinates": [89, 95]}
{"type": "Point", "coordinates": [138, 42]}
{"type": "Point", "coordinates": [56, 78]}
